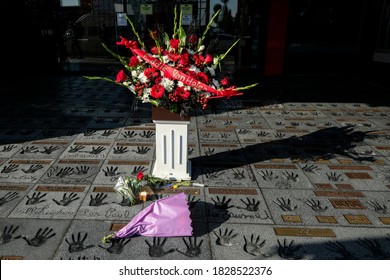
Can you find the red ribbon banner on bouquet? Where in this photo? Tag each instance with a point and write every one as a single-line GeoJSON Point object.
{"type": "Point", "coordinates": [177, 75]}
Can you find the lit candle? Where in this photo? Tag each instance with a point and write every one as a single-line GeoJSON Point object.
{"type": "Point", "coordinates": [143, 196]}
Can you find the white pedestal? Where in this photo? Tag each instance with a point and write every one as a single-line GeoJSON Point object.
{"type": "Point", "coordinates": [172, 150]}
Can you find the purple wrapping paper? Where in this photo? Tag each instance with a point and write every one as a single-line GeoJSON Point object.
{"type": "Point", "coordinates": [166, 217]}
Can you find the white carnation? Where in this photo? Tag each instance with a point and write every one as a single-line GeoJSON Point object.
{"type": "Point", "coordinates": [211, 70]}
{"type": "Point", "coordinates": [167, 84]}
{"type": "Point", "coordinates": [142, 78]}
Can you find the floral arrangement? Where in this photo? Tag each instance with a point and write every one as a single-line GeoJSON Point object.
{"type": "Point", "coordinates": [130, 188]}
{"type": "Point", "coordinates": [176, 72]}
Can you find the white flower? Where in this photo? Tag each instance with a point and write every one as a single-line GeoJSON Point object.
{"type": "Point", "coordinates": [166, 59]}
{"type": "Point", "coordinates": [142, 78]}
{"type": "Point", "coordinates": [194, 68]}
{"type": "Point", "coordinates": [167, 84]}
{"type": "Point", "coordinates": [211, 70]}
{"type": "Point", "coordinates": [216, 83]}
{"type": "Point", "coordinates": [145, 95]}
{"type": "Point", "coordinates": [201, 48]}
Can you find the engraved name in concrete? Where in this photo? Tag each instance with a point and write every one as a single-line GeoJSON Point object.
{"type": "Point", "coordinates": [358, 175]}
{"type": "Point", "coordinates": [385, 220]}
{"type": "Point", "coordinates": [17, 188]}
{"type": "Point", "coordinates": [236, 191]}
{"type": "Point", "coordinates": [349, 167]}
{"type": "Point", "coordinates": [357, 219]}
{"type": "Point", "coordinates": [291, 218]}
{"type": "Point", "coordinates": [275, 166]}
{"type": "Point", "coordinates": [307, 232]}
{"type": "Point", "coordinates": [326, 219]}
{"type": "Point", "coordinates": [347, 204]}
{"type": "Point", "coordinates": [59, 189]}
{"type": "Point", "coordinates": [339, 193]}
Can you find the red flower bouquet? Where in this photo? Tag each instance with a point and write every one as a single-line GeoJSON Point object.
{"type": "Point", "coordinates": [176, 72]}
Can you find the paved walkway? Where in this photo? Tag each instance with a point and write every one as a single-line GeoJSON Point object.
{"type": "Point", "coordinates": [296, 169]}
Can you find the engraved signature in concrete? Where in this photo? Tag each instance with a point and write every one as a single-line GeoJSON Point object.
{"type": "Point", "coordinates": [77, 244]}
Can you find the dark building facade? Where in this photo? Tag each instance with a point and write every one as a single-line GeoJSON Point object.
{"type": "Point", "coordinates": [277, 37]}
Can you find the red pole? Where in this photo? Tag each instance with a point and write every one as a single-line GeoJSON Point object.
{"type": "Point", "coordinates": [276, 39]}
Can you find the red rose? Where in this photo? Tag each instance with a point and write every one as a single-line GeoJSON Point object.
{"type": "Point", "coordinates": [184, 60]}
{"type": "Point", "coordinates": [208, 59]}
{"type": "Point", "coordinates": [133, 61]}
{"type": "Point", "coordinates": [121, 76]}
{"type": "Point", "coordinates": [225, 82]}
{"type": "Point", "coordinates": [140, 175]}
{"type": "Point", "coordinates": [174, 43]}
{"type": "Point", "coordinates": [193, 39]}
{"type": "Point", "coordinates": [154, 50]}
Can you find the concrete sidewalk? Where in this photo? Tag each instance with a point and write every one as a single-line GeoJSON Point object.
{"type": "Point", "coordinates": [293, 170]}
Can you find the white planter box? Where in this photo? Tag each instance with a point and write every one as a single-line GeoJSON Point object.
{"type": "Point", "coordinates": [171, 160]}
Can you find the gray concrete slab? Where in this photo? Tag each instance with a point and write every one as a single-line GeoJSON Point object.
{"type": "Point", "coordinates": [278, 179]}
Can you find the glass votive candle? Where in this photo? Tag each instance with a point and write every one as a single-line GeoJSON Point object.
{"type": "Point", "coordinates": [143, 196]}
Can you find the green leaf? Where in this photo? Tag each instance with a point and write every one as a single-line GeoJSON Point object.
{"type": "Point", "coordinates": [246, 87]}
{"type": "Point", "coordinates": [221, 57]}
{"type": "Point", "coordinates": [182, 38]}
{"type": "Point", "coordinates": [207, 29]}
{"type": "Point", "coordinates": [136, 33]}
{"type": "Point", "coordinates": [104, 79]}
